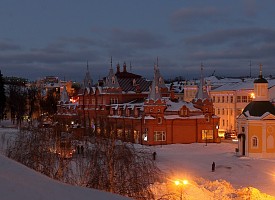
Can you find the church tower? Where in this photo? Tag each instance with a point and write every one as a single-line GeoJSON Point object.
{"type": "Point", "coordinates": [88, 82]}
{"type": "Point", "coordinates": [261, 88]}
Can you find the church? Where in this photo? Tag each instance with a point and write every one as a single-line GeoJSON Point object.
{"type": "Point", "coordinates": [256, 124]}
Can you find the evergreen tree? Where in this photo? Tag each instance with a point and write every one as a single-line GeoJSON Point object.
{"type": "Point", "coordinates": [2, 97]}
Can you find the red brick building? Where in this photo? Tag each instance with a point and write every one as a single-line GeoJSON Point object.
{"type": "Point", "coordinates": [129, 107]}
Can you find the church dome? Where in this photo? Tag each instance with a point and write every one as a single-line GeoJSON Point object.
{"type": "Point", "coordinates": [260, 80]}
{"type": "Point", "coordinates": [258, 108]}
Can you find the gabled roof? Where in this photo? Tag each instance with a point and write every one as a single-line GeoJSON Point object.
{"type": "Point", "coordinates": [127, 84]}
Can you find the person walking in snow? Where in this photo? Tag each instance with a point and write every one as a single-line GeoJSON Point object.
{"type": "Point", "coordinates": [154, 155]}
{"type": "Point", "coordinates": [213, 166]}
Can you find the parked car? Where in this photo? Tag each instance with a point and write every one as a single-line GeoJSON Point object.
{"type": "Point", "coordinates": [230, 135]}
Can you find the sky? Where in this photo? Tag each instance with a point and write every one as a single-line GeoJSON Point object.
{"type": "Point", "coordinates": [57, 38]}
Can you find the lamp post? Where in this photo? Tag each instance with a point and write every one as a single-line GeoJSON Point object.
{"type": "Point", "coordinates": [181, 183]}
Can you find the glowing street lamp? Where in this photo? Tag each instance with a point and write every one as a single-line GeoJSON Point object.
{"type": "Point", "coordinates": [181, 184]}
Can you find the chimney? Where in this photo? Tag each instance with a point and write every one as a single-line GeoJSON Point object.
{"type": "Point", "coordinates": [124, 67]}
{"type": "Point", "coordinates": [117, 68]}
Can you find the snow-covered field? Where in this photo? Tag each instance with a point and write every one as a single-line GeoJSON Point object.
{"type": "Point", "coordinates": [234, 176]}
{"type": "Point", "coordinates": [194, 161]}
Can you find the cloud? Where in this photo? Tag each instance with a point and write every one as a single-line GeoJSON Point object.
{"type": "Point", "coordinates": [249, 36]}
{"type": "Point", "coordinates": [140, 39]}
{"type": "Point", "coordinates": [8, 46]}
{"type": "Point", "coordinates": [193, 18]}
{"type": "Point", "coordinates": [250, 8]}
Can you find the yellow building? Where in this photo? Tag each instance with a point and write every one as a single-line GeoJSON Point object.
{"type": "Point", "coordinates": [256, 124]}
{"type": "Point", "coordinates": [229, 101]}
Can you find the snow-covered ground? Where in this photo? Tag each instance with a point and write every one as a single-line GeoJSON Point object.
{"type": "Point", "coordinates": [19, 182]}
{"type": "Point", "coordinates": [234, 177]}
{"type": "Point", "coordinates": [194, 163]}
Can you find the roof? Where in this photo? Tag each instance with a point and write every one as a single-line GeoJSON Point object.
{"type": "Point", "coordinates": [260, 80]}
{"type": "Point", "coordinates": [127, 84]}
{"type": "Point", "coordinates": [176, 106]}
{"type": "Point", "coordinates": [258, 108]}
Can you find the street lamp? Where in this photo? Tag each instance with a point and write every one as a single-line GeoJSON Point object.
{"type": "Point", "coordinates": [181, 184]}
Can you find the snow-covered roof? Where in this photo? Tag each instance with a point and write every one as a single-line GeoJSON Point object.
{"type": "Point", "coordinates": [175, 106]}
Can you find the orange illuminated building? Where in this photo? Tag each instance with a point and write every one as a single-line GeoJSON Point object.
{"type": "Point", "coordinates": [129, 107]}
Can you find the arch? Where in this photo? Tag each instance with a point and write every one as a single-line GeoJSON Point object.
{"type": "Point", "coordinates": [254, 142]}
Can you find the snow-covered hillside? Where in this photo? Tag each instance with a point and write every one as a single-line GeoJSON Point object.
{"type": "Point", "coordinates": [20, 182]}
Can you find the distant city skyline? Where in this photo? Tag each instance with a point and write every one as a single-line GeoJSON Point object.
{"type": "Point", "coordinates": [57, 38]}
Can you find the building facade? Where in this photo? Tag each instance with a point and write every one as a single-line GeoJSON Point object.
{"type": "Point", "coordinates": [256, 124]}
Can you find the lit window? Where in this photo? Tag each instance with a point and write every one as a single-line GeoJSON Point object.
{"type": "Point", "coordinates": [145, 135]}
{"type": "Point", "coordinates": [159, 136]}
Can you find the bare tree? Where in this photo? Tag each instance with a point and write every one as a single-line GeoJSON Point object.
{"type": "Point", "coordinates": [105, 163]}
{"type": "Point", "coordinates": [33, 148]}
{"type": "Point", "coordinates": [122, 168]}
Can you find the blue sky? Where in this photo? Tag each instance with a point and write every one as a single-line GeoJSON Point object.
{"type": "Point", "coordinates": [56, 37]}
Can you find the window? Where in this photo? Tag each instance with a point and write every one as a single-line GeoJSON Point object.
{"type": "Point", "coordinates": [231, 99]}
{"type": "Point", "coordinates": [226, 99]}
{"type": "Point", "coordinates": [223, 111]}
{"type": "Point", "coordinates": [159, 136]}
{"type": "Point", "coordinates": [222, 99]}
{"type": "Point", "coordinates": [213, 99]}
{"type": "Point", "coordinates": [254, 142]}
{"type": "Point", "coordinates": [219, 99]}
{"type": "Point", "coordinates": [113, 80]}
{"type": "Point", "coordinates": [206, 134]}
{"type": "Point", "coordinates": [218, 111]}
{"type": "Point", "coordinates": [238, 99]}
{"type": "Point", "coordinates": [244, 99]}
{"type": "Point", "coordinates": [145, 135]}
{"type": "Point", "coordinates": [243, 129]}
{"type": "Point", "coordinates": [158, 110]}
{"type": "Point", "coordinates": [128, 112]}
{"type": "Point", "coordinates": [136, 112]}
{"type": "Point", "coordinates": [159, 120]}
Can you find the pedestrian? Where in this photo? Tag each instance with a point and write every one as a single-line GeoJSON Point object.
{"type": "Point", "coordinates": [154, 155]}
{"type": "Point", "coordinates": [82, 149]}
{"type": "Point", "coordinates": [213, 166]}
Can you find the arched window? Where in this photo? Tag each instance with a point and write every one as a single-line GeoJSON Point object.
{"type": "Point", "coordinates": [159, 120]}
{"type": "Point", "coordinates": [254, 142]}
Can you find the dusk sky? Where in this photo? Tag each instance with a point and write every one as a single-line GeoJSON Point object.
{"type": "Point", "coordinates": [56, 37]}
